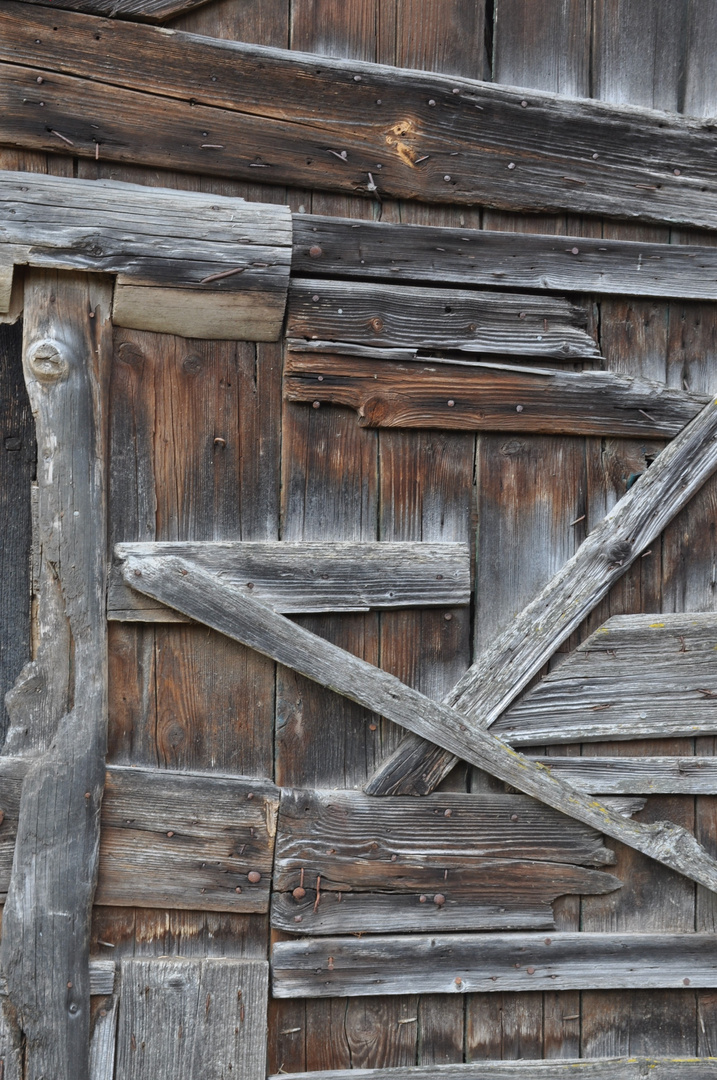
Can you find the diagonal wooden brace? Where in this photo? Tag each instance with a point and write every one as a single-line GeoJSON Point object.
{"type": "Point", "coordinates": [191, 590]}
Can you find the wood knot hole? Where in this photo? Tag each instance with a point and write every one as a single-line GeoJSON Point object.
{"type": "Point", "coordinates": [47, 362]}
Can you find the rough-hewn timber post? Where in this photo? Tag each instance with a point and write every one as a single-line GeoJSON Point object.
{"type": "Point", "coordinates": [58, 707]}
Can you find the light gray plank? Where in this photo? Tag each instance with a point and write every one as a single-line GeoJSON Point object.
{"type": "Point", "coordinates": [104, 1040]}
{"type": "Point", "coordinates": [312, 576]}
{"type": "Point", "coordinates": [632, 1068]}
{"type": "Point", "coordinates": [637, 775]}
{"type": "Point", "coordinates": [190, 589]}
{"type": "Point", "coordinates": [636, 676]}
{"type": "Point", "coordinates": [192, 1019]}
{"type": "Point", "coordinates": [465, 963]}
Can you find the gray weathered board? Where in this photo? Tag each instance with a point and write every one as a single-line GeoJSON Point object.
{"type": "Point", "coordinates": [636, 775]}
{"type": "Point", "coordinates": [341, 247]}
{"type": "Point", "coordinates": [348, 862]}
{"type": "Point", "coordinates": [466, 963]}
{"type": "Point", "coordinates": [311, 576]}
{"type": "Point", "coordinates": [637, 676]}
{"type": "Point", "coordinates": [153, 11]}
{"type": "Point", "coordinates": [170, 839]}
{"type": "Point", "coordinates": [191, 1019]}
{"type": "Point", "coordinates": [426, 393]}
{"type": "Point", "coordinates": [283, 117]}
{"type": "Point", "coordinates": [101, 981]}
{"type": "Point", "coordinates": [613, 1068]}
{"type": "Point", "coordinates": [203, 266]}
{"type": "Point", "coordinates": [369, 313]}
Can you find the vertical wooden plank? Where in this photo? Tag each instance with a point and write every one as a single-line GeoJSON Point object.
{"type": "Point", "coordinates": [442, 35]}
{"type": "Point", "coordinates": [699, 82]}
{"type": "Point", "coordinates": [266, 23]}
{"type": "Point", "coordinates": [45, 945]}
{"type": "Point", "coordinates": [192, 1019]}
{"type": "Point", "coordinates": [544, 44]}
{"type": "Point", "coordinates": [638, 50]}
{"type": "Point", "coordinates": [17, 465]}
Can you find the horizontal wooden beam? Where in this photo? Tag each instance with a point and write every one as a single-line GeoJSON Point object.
{"type": "Point", "coordinates": [347, 863]}
{"type": "Point", "coordinates": [171, 840]}
{"type": "Point", "coordinates": [636, 775]}
{"type": "Point", "coordinates": [202, 266]}
{"type": "Point", "coordinates": [637, 676]}
{"type": "Point", "coordinates": [485, 397]}
{"type": "Point", "coordinates": [249, 112]}
{"type": "Point", "coordinates": [345, 248]}
{"type": "Point", "coordinates": [632, 1068]}
{"type": "Point", "coordinates": [470, 963]}
{"type": "Point", "coordinates": [102, 978]}
{"type": "Point", "coordinates": [381, 315]}
{"type": "Point", "coordinates": [152, 11]}
{"type": "Point", "coordinates": [310, 577]}
{"type": "Point", "coordinates": [515, 656]}
{"type": "Point", "coordinates": [183, 585]}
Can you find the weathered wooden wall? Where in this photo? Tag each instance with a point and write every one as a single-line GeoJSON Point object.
{"type": "Point", "coordinates": [203, 447]}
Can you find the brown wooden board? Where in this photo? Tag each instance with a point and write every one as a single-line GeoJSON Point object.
{"type": "Point", "coordinates": [152, 11]}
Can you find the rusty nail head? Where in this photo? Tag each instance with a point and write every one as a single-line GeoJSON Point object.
{"type": "Point", "coordinates": [372, 727]}
{"type": "Point", "coordinates": [315, 251]}
{"type": "Point", "coordinates": [238, 888]}
{"type": "Point", "coordinates": [431, 101]}
{"type": "Point", "coordinates": [447, 813]}
{"type": "Point", "coordinates": [456, 90]}
{"type": "Point", "coordinates": [357, 78]}
{"type": "Point", "coordinates": [513, 817]}
{"type": "Point", "coordinates": [299, 893]}
{"type": "Point", "coordinates": [254, 877]}
{"type": "Point", "coordinates": [518, 408]}
{"type": "Point", "coordinates": [451, 403]}
{"type": "Point", "coordinates": [459, 981]}
{"type": "Point", "coordinates": [448, 616]}
{"type": "Point", "coordinates": [446, 177]}
{"type": "Point", "coordinates": [40, 79]}
{"type": "Point", "coordinates": [575, 251]}
{"type": "Point", "coordinates": [87, 795]}
{"type": "Point", "coordinates": [422, 899]}
{"type": "Point", "coordinates": [317, 404]}
{"type": "Point", "coordinates": [378, 101]}
{"type": "Point", "coordinates": [439, 899]}
{"type": "Point", "coordinates": [524, 104]}
{"type": "Point", "coordinates": [138, 573]}
{"type": "Point", "coordinates": [170, 833]}
{"type": "Point", "coordinates": [315, 298]}
{"type": "Point", "coordinates": [685, 982]}
{"type": "Point", "coordinates": [298, 918]}
{"type": "Point", "coordinates": [530, 970]}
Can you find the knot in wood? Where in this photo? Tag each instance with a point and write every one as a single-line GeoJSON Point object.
{"type": "Point", "coordinates": [47, 362]}
{"type": "Point", "coordinates": [618, 553]}
{"type": "Point", "coordinates": [376, 325]}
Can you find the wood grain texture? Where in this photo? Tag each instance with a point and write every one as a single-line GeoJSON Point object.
{"type": "Point", "coordinates": [532, 637]}
{"type": "Point", "coordinates": [396, 315]}
{"type": "Point", "coordinates": [313, 576]}
{"type": "Point", "coordinates": [152, 11]}
{"type": "Point", "coordinates": [426, 394]}
{"type": "Point", "coordinates": [464, 963]}
{"type": "Point", "coordinates": [191, 1018]}
{"type": "Point", "coordinates": [585, 1069]}
{"type": "Point", "coordinates": [203, 266]}
{"type": "Point", "coordinates": [268, 108]}
{"type": "Point", "coordinates": [344, 248]}
{"type": "Point", "coordinates": [646, 775]}
{"type": "Point", "coordinates": [191, 590]}
{"type": "Point", "coordinates": [45, 945]}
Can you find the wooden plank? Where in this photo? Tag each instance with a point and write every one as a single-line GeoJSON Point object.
{"type": "Point", "coordinates": [267, 108]}
{"type": "Point", "coordinates": [341, 247]}
{"type": "Point", "coordinates": [405, 315]}
{"type": "Point", "coordinates": [312, 576]}
{"type": "Point", "coordinates": [103, 1043]}
{"type": "Point", "coordinates": [637, 676]}
{"type": "Point", "coordinates": [196, 593]}
{"type": "Point", "coordinates": [426, 394]}
{"type": "Point", "coordinates": [515, 656]}
{"type": "Point", "coordinates": [192, 1018]}
{"type": "Point", "coordinates": [152, 11]}
{"type": "Point", "coordinates": [203, 266]}
{"type": "Point", "coordinates": [344, 863]}
{"type": "Point", "coordinates": [464, 963]}
{"type": "Point", "coordinates": [685, 775]}
{"type": "Point", "coordinates": [632, 1068]}
{"type": "Point", "coordinates": [45, 945]}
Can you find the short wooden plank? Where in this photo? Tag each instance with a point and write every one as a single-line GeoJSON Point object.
{"type": "Point", "coordinates": [103, 1044]}
{"type": "Point", "coordinates": [632, 1068]}
{"type": "Point", "coordinates": [465, 963]}
{"type": "Point", "coordinates": [192, 590]}
{"type": "Point", "coordinates": [637, 775]}
{"type": "Point", "coordinates": [202, 266]}
{"type": "Point", "coordinates": [409, 316]}
{"type": "Point", "coordinates": [101, 980]}
{"type": "Point", "coordinates": [637, 676]}
{"type": "Point", "coordinates": [291, 118]}
{"type": "Point", "coordinates": [192, 1018]}
{"type": "Point", "coordinates": [506, 666]}
{"type": "Point", "coordinates": [482, 397]}
{"type": "Point", "coordinates": [344, 248]}
{"type": "Point", "coordinates": [347, 862]}
{"type": "Point", "coordinates": [152, 11]}
{"type": "Point", "coordinates": [313, 576]}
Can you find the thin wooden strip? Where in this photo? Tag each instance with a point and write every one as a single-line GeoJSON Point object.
{"type": "Point", "coordinates": [190, 1018]}
{"type": "Point", "coordinates": [312, 576]}
{"type": "Point", "coordinates": [632, 1068]}
{"type": "Point", "coordinates": [45, 944]}
{"type": "Point", "coordinates": [405, 315]}
{"type": "Point", "coordinates": [464, 963]}
{"type": "Point", "coordinates": [266, 116]}
{"type": "Point", "coordinates": [428, 395]}
{"type": "Point", "coordinates": [341, 247]}
{"type": "Point", "coordinates": [637, 775]}
{"type": "Point", "coordinates": [101, 978]}
{"type": "Point", "coordinates": [103, 1043]}
{"type": "Point", "coordinates": [505, 667]}
{"type": "Point", "coordinates": [180, 584]}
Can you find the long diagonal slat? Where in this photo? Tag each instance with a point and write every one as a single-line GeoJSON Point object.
{"type": "Point", "coordinates": [184, 586]}
{"type": "Point", "coordinates": [504, 669]}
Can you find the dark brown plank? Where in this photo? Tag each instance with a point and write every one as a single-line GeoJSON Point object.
{"type": "Point", "coordinates": [551, 143]}
{"type": "Point", "coordinates": [152, 11]}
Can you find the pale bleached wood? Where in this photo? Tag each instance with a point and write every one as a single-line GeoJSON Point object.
{"type": "Point", "coordinates": [632, 1068]}
{"type": "Point", "coordinates": [188, 1019]}
{"type": "Point", "coordinates": [466, 963]}
{"type": "Point", "coordinates": [342, 247]}
{"type": "Point", "coordinates": [637, 775]}
{"type": "Point", "coordinates": [404, 315]}
{"type": "Point", "coordinates": [312, 576]}
{"type": "Point", "coordinates": [104, 1040]}
{"type": "Point", "coordinates": [46, 920]}
{"type": "Point", "coordinates": [636, 676]}
{"type": "Point", "coordinates": [188, 588]}
{"type": "Point", "coordinates": [505, 667]}
{"type": "Point", "coordinates": [202, 266]}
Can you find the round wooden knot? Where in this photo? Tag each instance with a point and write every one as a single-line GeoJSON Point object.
{"type": "Point", "coordinates": [315, 251]}
{"type": "Point", "coordinates": [299, 893]}
{"type": "Point", "coordinates": [47, 362]}
{"type": "Point", "coordinates": [376, 325]}
{"type": "Point", "coordinates": [254, 877]}
{"type": "Point", "coordinates": [439, 899]}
